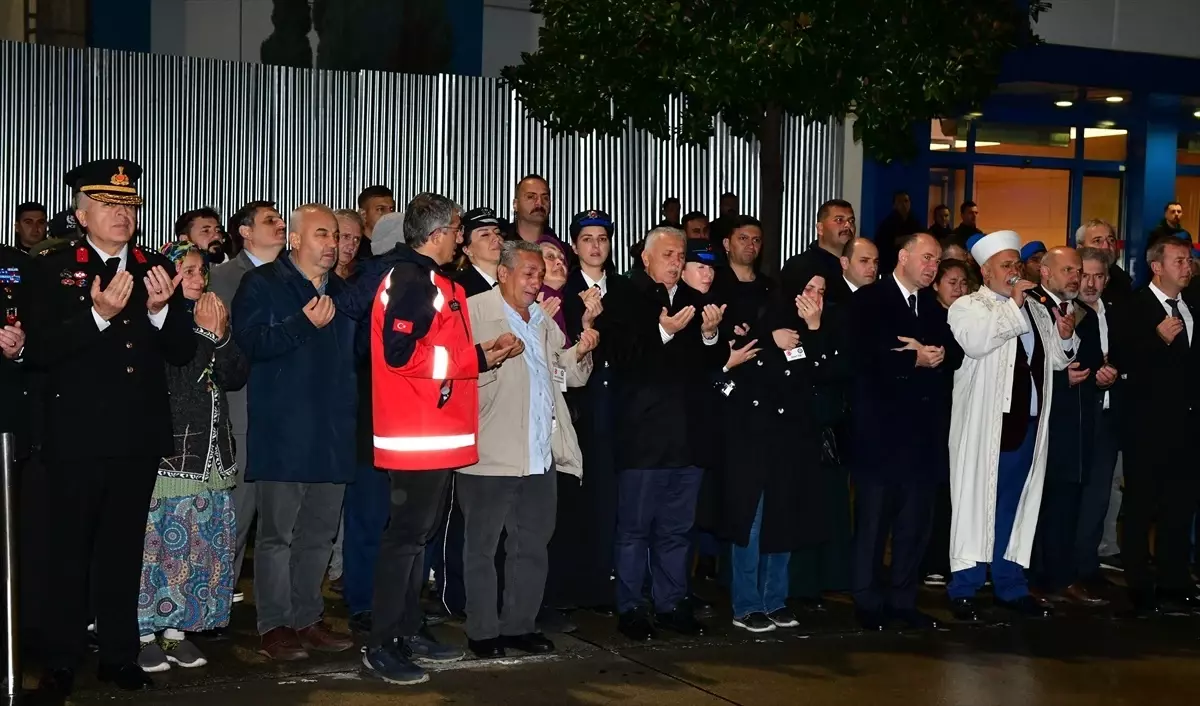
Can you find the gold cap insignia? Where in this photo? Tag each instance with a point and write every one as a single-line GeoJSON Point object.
{"type": "Point", "coordinates": [120, 178]}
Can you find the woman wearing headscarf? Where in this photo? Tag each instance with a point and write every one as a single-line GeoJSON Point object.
{"type": "Point", "coordinates": [556, 276]}
{"type": "Point", "coordinates": [771, 482]}
{"type": "Point", "coordinates": [187, 563]}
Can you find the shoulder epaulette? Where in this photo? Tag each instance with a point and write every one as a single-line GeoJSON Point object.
{"type": "Point", "coordinates": [61, 245]}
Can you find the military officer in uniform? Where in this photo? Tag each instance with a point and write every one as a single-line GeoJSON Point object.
{"type": "Point", "coordinates": [107, 316]}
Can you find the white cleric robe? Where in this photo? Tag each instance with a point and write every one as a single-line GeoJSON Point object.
{"type": "Point", "coordinates": [987, 328]}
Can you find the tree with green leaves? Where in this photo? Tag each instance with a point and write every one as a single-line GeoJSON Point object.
{"type": "Point", "coordinates": [892, 64]}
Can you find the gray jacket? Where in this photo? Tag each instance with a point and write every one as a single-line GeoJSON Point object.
{"type": "Point", "coordinates": [223, 281]}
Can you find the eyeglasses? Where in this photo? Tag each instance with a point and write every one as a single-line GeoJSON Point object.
{"type": "Point", "coordinates": [458, 230]}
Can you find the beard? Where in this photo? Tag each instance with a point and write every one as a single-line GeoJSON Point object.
{"type": "Point", "coordinates": [214, 255]}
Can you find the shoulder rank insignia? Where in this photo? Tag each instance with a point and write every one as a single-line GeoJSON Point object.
{"type": "Point", "coordinates": [81, 254]}
{"type": "Point", "coordinates": [139, 256]}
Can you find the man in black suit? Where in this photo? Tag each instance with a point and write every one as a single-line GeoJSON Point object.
{"type": "Point", "coordinates": [14, 402]}
{"type": "Point", "coordinates": [905, 357]}
{"type": "Point", "coordinates": [1101, 235]}
{"type": "Point", "coordinates": [1072, 428]}
{"type": "Point", "coordinates": [481, 246]}
{"type": "Point", "coordinates": [107, 316]}
{"type": "Point", "coordinates": [1159, 358]}
{"type": "Point", "coordinates": [1098, 488]}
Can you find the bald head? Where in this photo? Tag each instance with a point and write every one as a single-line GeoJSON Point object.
{"type": "Point", "coordinates": [1062, 270]}
{"type": "Point", "coordinates": [860, 261]}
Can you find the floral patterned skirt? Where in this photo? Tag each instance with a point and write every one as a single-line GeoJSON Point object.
{"type": "Point", "coordinates": [187, 563]}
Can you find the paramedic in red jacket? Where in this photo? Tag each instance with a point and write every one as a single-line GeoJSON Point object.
{"type": "Point", "coordinates": [424, 372]}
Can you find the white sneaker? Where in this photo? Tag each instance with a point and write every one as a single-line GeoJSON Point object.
{"type": "Point", "coordinates": [152, 659]}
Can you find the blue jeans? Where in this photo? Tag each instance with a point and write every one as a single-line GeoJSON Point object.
{"type": "Point", "coordinates": [760, 581]}
{"type": "Point", "coordinates": [368, 500]}
{"type": "Point", "coordinates": [1008, 577]}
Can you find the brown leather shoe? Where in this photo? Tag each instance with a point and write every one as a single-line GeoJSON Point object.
{"type": "Point", "coordinates": [282, 645]}
{"type": "Point", "coordinates": [1079, 595]}
{"type": "Point", "coordinates": [319, 637]}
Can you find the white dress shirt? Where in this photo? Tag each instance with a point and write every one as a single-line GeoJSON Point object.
{"type": "Point", "coordinates": [849, 284]}
{"type": "Point", "coordinates": [602, 283]}
{"type": "Point", "coordinates": [157, 320]}
{"type": "Point", "coordinates": [1183, 309]}
{"type": "Point", "coordinates": [486, 277]}
{"type": "Point", "coordinates": [904, 291]}
{"type": "Point", "coordinates": [1103, 321]}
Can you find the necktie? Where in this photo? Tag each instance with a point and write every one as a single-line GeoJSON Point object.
{"type": "Point", "coordinates": [1174, 304]}
{"type": "Point", "coordinates": [495, 284]}
{"type": "Point", "coordinates": [912, 303]}
{"type": "Point", "coordinates": [1062, 308]}
{"type": "Point", "coordinates": [110, 270]}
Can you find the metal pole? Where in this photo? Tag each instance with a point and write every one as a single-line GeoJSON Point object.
{"type": "Point", "coordinates": [8, 535]}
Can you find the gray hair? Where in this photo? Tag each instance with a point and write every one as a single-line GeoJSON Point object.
{"type": "Point", "coordinates": [1094, 223]}
{"type": "Point", "coordinates": [425, 214]}
{"type": "Point", "coordinates": [660, 232]}
{"type": "Point", "coordinates": [351, 215]}
{"type": "Point", "coordinates": [510, 250]}
{"type": "Point", "coordinates": [1104, 257]}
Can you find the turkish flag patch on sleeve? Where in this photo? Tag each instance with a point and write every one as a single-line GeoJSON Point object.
{"type": "Point", "coordinates": [401, 326]}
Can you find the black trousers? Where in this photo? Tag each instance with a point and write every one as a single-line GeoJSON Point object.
{"type": "Point", "coordinates": [937, 551]}
{"type": "Point", "coordinates": [1054, 564]}
{"type": "Point", "coordinates": [1096, 495]}
{"type": "Point", "coordinates": [99, 508]}
{"type": "Point", "coordinates": [1160, 490]}
{"type": "Point", "coordinates": [581, 551]}
{"type": "Point", "coordinates": [418, 503]}
{"type": "Point", "coordinates": [904, 510]}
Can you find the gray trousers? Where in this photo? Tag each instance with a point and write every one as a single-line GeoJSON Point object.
{"type": "Point", "coordinates": [525, 508]}
{"type": "Point", "coordinates": [244, 507]}
{"type": "Point", "coordinates": [1110, 545]}
{"type": "Point", "coordinates": [297, 523]}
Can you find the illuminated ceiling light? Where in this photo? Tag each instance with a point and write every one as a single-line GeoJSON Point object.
{"type": "Point", "coordinates": [1196, 114]}
{"type": "Point", "coordinates": [1063, 104]}
{"type": "Point", "coordinates": [1115, 99]}
{"type": "Point", "coordinates": [1106, 124]}
{"type": "Point", "coordinates": [980, 115]}
{"type": "Point", "coordinates": [960, 145]}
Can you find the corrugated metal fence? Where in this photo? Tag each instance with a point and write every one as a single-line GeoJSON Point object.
{"type": "Point", "coordinates": [217, 133]}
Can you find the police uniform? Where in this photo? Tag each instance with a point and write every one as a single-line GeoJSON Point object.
{"type": "Point", "coordinates": [106, 390]}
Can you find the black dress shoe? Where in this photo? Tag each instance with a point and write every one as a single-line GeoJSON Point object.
{"type": "Point", "coordinates": [126, 677]}
{"type": "Point", "coordinates": [54, 688]}
{"type": "Point", "coordinates": [681, 620]}
{"type": "Point", "coordinates": [1027, 607]}
{"type": "Point", "coordinates": [635, 625]}
{"type": "Point", "coordinates": [1178, 603]}
{"type": "Point", "coordinates": [913, 619]}
{"type": "Point", "coordinates": [699, 606]}
{"type": "Point", "coordinates": [534, 643]}
{"type": "Point", "coordinates": [492, 648]}
{"type": "Point", "coordinates": [870, 620]}
{"type": "Point", "coordinates": [965, 610]}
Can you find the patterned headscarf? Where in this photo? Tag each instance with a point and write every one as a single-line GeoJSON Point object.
{"type": "Point", "coordinates": [175, 252]}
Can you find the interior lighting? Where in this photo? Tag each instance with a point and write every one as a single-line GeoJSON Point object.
{"type": "Point", "coordinates": [1115, 99]}
{"type": "Point", "coordinates": [1063, 104]}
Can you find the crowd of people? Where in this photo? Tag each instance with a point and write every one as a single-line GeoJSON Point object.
{"type": "Point", "coordinates": [392, 393]}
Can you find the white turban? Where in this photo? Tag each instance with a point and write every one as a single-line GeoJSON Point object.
{"type": "Point", "coordinates": [993, 243]}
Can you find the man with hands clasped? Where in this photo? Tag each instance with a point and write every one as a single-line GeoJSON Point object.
{"type": "Point", "coordinates": [905, 357]}
{"type": "Point", "coordinates": [1072, 431]}
{"type": "Point", "coordinates": [301, 406]}
{"type": "Point", "coordinates": [106, 317]}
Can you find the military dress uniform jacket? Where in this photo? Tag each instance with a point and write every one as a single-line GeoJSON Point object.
{"type": "Point", "coordinates": [106, 390]}
{"type": "Point", "coordinates": [14, 307]}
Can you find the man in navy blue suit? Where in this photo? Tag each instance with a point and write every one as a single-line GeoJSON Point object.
{"type": "Point", "coordinates": [905, 357]}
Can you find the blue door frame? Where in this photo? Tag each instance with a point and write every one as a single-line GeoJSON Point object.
{"type": "Point", "coordinates": [1154, 115]}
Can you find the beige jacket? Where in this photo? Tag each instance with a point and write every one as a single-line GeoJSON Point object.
{"type": "Point", "coordinates": [504, 397]}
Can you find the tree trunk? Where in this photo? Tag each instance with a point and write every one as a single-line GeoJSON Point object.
{"type": "Point", "coordinates": [770, 209]}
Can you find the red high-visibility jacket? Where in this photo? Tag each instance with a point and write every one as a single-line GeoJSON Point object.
{"type": "Point", "coordinates": [424, 371]}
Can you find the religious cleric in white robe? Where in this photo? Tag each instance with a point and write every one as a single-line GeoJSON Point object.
{"type": "Point", "coordinates": [998, 428]}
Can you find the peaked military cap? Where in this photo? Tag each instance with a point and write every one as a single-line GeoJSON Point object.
{"type": "Point", "coordinates": [108, 181]}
